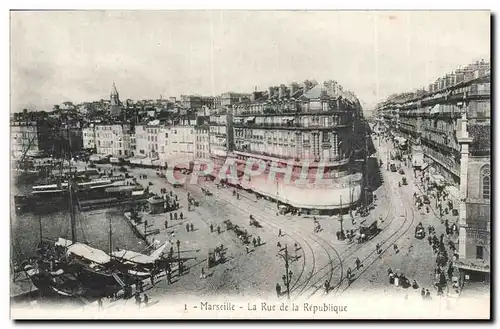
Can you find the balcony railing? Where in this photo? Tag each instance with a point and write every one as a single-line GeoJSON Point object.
{"type": "Point", "coordinates": [291, 126]}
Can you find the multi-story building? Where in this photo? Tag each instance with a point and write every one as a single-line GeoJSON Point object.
{"type": "Point", "coordinates": [179, 143]}
{"type": "Point", "coordinates": [114, 139]}
{"type": "Point", "coordinates": [202, 144]}
{"type": "Point", "coordinates": [475, 201]}
{"type": "Point", "coordinates": [28, 138]}
{"type": "Point", "coordinates": [308, 128]}
{"type": "Point", "coordinates": [44, 136]}
{"type": "Point", "coordinates": [430, 121]}
{"type": "Point", "coordinates": [450, 125]}
{"type": "Point", "coordinates": [89, 137]}
{"type": "Point", "coordinates": [191, 102]}
{"type": "Point", "coordinates": [229, 99]}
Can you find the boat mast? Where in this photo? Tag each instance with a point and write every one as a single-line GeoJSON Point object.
{"type": "Point", "coordinates": [70, 188]}
{"type": "Point", "coordinates": [110, 235]}
{"type": "Point", "coordinates": [72, 211]}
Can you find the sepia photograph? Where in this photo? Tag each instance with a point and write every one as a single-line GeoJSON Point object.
{"type": "Point", "coordinates": [250, 164]}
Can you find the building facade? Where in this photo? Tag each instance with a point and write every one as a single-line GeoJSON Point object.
{"type": "Point", "coordinates": [89, 138]}
{"type": "Point", "coordinates": [27, 138]}
{"type": "Point", "coordinates": [450, 124]}
{"type": "Point", "coordinates": [220, 136]}
{"type": "Point", "coordinates": [113, 139]}
{"type": "Point", "coordinates": [431, 120]}
{"type": "Point", "coordinates": [202, 144]}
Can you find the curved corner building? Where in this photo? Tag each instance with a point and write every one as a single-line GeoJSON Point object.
{"type": "Point", "coordinates": [311, 128]}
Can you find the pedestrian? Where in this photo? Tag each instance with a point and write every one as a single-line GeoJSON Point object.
{"type": "Point", "coordinates": [152, 276]}
{"type": "Point", "coordinates": [137, 299]}
{"type": "Point", "coordinates": [182, 215]}
{"type": "Point", "coordinates": [187, 227]}
{"type": "Point", "coordinates": [218, 229]}
{"type": "Point", "coordinates": [211, 228]}
{"type": "Point", "coordinates": [202, 276]}
{"type": "Point", "coordinates": [254, 241]}
{"type": "Point", "coordinates": [258, 240]}
{"type": "Point", "coordinates": [279, 245]}
{"type": "Point", "coordinates": [396, 248]}
{"type": "Point", "coordinates": [146, 300]}
{"type": "Point", "coordinates": [428, 294]}
{"type": "Point", "coordinates": [169, 276]}
{"type": "Point", "coordinates": [349, 275]}
{"type": "Point", "coordinates": [422, 293]}
{"type": "Point", "coordinates": [377, 248]}
{"type": "Point", "coordinates": [192, 227]}
{"type": "Point", "coordinates": [278, 289]}
{"type": "Point", "coordinates": [248, 251]}
{"type": "Point", "coordinates": [327, 286]}
{"type": "Point", "coordinates": [296, 246]}
{"type": "Point", "coordinates": [99, 304]}
{"type": "Point", "coordinates": [166, 224]}
{"type": "Point", "coordinates": [279, 233]}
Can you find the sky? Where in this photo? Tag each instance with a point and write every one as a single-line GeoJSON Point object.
{"type": "Point", "coordinates": [76, 56]}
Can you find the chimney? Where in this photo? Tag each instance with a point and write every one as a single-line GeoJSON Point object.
{"type": "Point", "coordinates": [271, 89]}
{"type": "Point", "coordinates": [281, 91]}
{"type": "Point", "coordinates": [307, 85]}
{"type": "Point", "coordinates": [293, 88]}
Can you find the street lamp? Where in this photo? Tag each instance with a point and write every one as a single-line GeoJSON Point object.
{"type": "Point", "coordinates": [287, 277]}
{"type": "Point", "coordinates": [179, 255]}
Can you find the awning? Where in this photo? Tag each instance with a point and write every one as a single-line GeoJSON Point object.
{"type": "Point", "coordinates": [141, 161]}
{"type": "Point", "coordinates": [87, 252]}
{"type": "Point", "coordinates": [472, 265]}
{"type": "Point", "coordinates": [438, 179]}
{"type": "Point", "coordinates": [250, 119]}
{"type": "Point", "coordinates": [97, 157]}
{"type": "Point", "coordinates": [133, 256]}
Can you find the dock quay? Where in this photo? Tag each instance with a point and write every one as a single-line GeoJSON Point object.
{"type": "Point", "coordinates": [109, 202]}
{"type": "Point", "coordinates": [149, 227]}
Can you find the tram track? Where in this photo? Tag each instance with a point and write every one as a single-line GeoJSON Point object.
{"type": "Point", "coordinates": [295, 236]}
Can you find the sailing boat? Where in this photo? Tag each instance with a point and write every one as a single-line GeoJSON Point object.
{"type": "Point", "coordinates": [71, 268]}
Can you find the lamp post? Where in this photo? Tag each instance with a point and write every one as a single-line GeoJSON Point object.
{"type": "Point", "coordinates": [287, 277]}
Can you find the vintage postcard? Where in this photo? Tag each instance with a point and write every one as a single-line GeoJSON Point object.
{"type": "Point", "coordinates": [250, 164]}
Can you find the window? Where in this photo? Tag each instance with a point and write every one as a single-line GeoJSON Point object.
{"type": "Point", "coordinates": [485, 182]}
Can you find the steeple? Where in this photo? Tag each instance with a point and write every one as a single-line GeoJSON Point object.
{"type": "Point", "coordinates": [113, 90]}
{"type": "Point", "coordinates": [114, 99]}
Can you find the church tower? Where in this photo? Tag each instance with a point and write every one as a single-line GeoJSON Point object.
{"type": "Point", "coordinates": [114, 98]}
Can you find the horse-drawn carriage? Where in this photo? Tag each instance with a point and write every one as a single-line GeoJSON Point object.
{"type": "Point", "coordinates": [367, 232]}
{"type": "Point", "coordinates": [229, 225]}
{"type": "Point", "coordinates": [192, 202]}
{"type": "Point", "coordinates": [420, 231]}
{"type": "Point", "coordinates": [242, 234]}
{"type": "Point", "coordinates": [254, 222]}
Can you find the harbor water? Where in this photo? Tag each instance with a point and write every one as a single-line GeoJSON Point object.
{"type": "Point", "coordinates": [91, 227]}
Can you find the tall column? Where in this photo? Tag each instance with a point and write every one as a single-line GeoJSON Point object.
{"type": "Point", "coordinates": [464, 141]}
